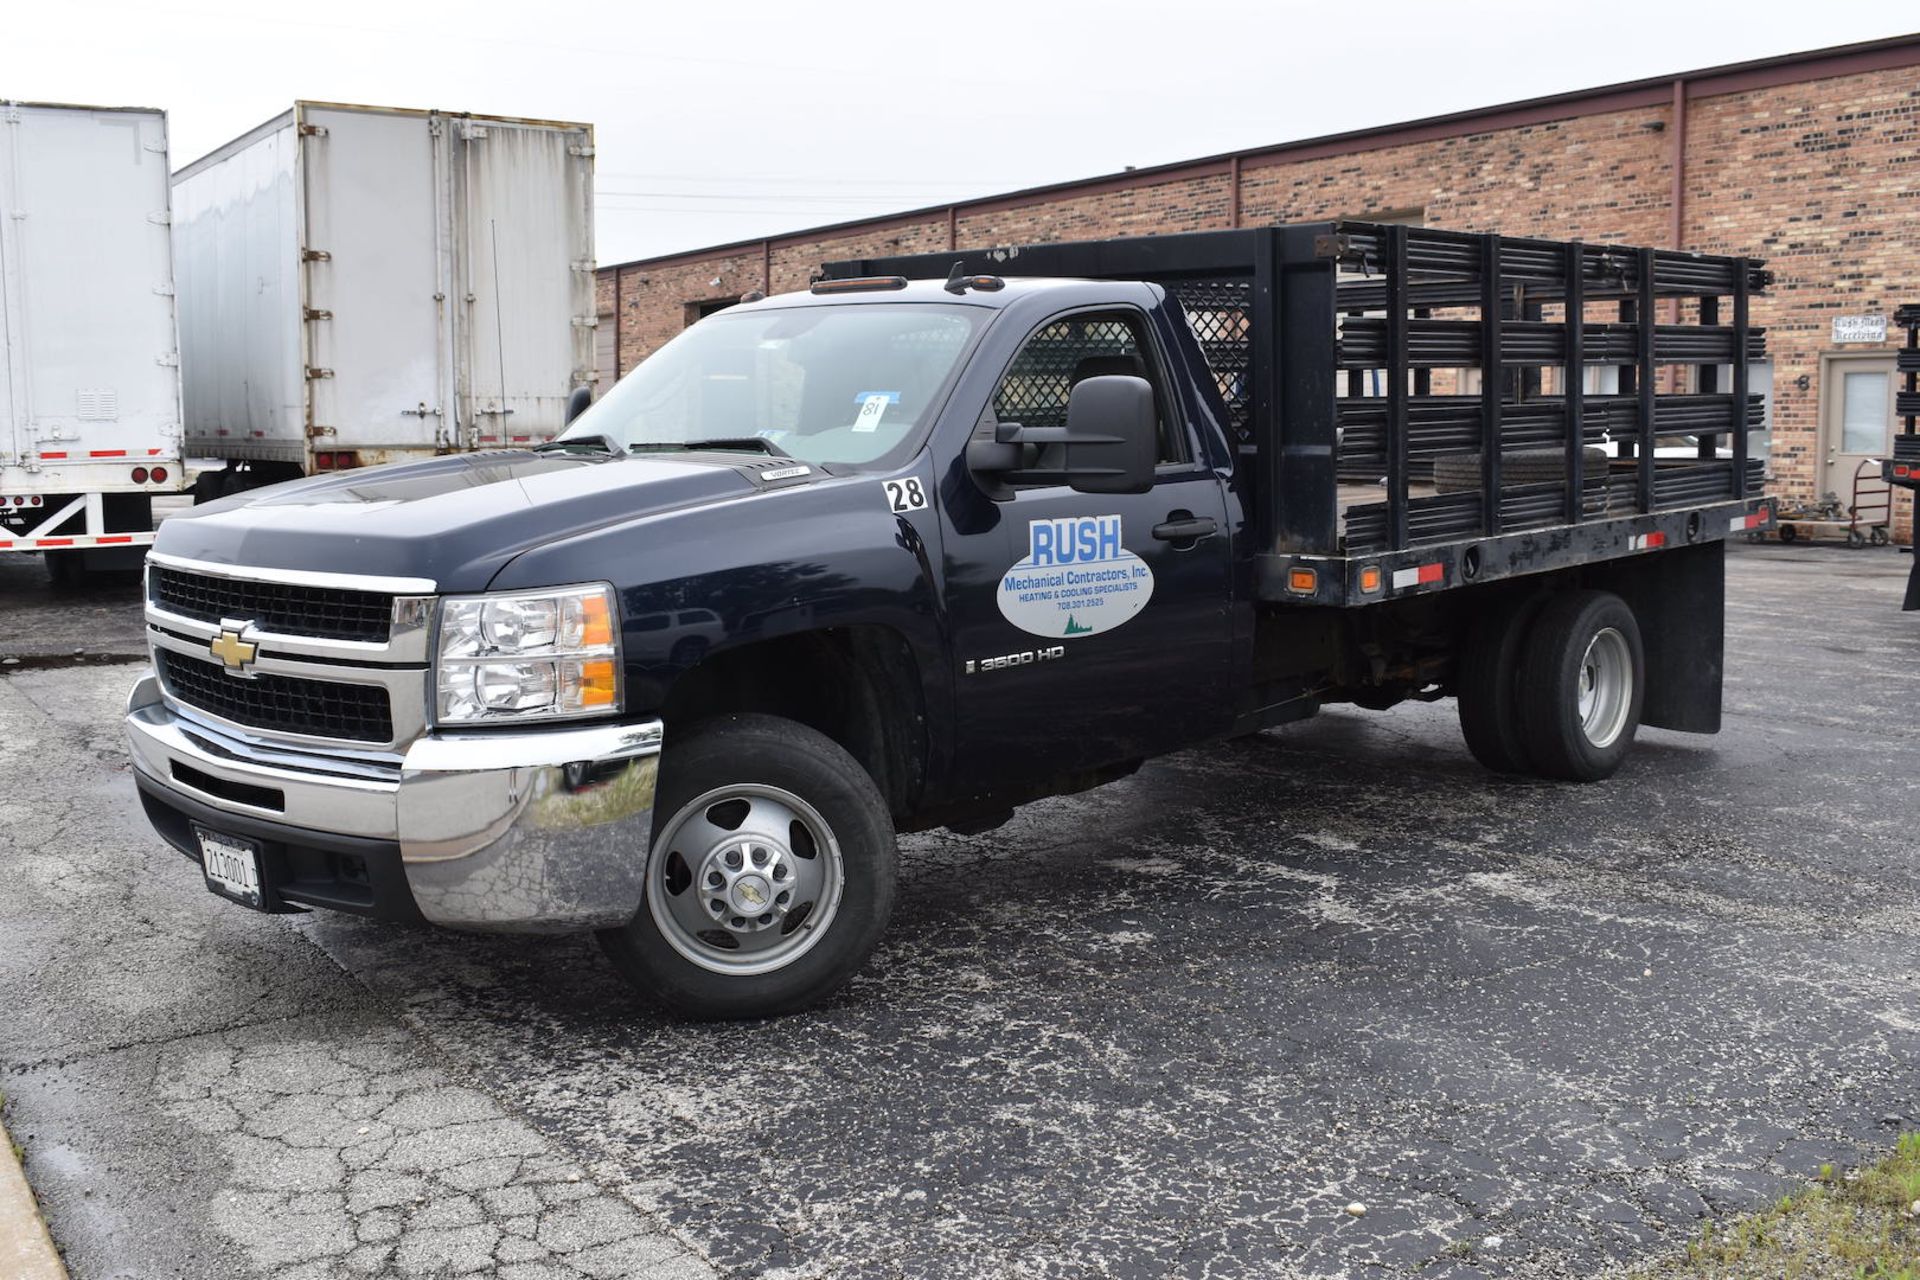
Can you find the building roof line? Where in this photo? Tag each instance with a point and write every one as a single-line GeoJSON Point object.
{"type": "Point", "coordinates": [1654, 91]}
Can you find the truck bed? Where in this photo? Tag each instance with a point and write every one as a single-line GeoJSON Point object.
{"type": "Point", "coordinates": [1351, 357]}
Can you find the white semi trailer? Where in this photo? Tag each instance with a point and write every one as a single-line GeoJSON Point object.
{"type": "Point", "coordinates": [89, 365]}
{"type": "Point", "coordinates": [360, 285]}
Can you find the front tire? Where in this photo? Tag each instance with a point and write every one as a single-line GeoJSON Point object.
{"type": "Point", "coordinates": [1582, 681]}
{"type": "Point", "coordinates": [770, 877]}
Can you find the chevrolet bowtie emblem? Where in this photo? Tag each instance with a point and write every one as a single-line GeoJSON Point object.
{"type": "Point", "coordinates": [233, 652]}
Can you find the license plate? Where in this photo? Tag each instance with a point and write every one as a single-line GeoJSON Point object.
{"type": "Point", "coordinates": [232, 866]}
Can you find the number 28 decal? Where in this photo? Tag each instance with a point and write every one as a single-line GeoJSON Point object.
{"type": "Point", "coordinates": [905, 495]}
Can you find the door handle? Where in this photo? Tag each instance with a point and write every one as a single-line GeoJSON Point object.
{"type": "Point", "coordinates": [1186, 530]}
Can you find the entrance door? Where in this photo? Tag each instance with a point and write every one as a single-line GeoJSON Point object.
{"type": "Point", "coordinates": [1097, 630]}
{"type": "Point", "coordinates": [1857, 409]}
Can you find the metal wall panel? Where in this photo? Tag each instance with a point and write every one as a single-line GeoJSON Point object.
{"type": "Point", "coordinates": [89, 382]}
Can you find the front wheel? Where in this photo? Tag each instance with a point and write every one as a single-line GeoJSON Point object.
{"type": "Point", "coordinates": [1581, 685]}
{"type": "Point", "coordinates": [770, 877]}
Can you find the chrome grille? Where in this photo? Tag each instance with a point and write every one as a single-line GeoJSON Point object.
{"type": "Point", "coordinates": [326, 612]}
{"type": "Point", "coordinates": [277, 703]}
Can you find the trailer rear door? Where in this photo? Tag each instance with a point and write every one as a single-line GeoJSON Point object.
{"type": "Point", "coordinates": [88, 370]}
{"type": "Point", "coordinates": [375, 295]}
{"type": "Point", "coordinates": [527, 226]}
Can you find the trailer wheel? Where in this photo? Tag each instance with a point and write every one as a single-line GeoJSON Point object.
{"type": "Point", "coordinates": [1582, 680]}
{"type": "Point", "coordinates": [1788, 533]}
{"type": "Point", "coordinates": [770, 877]}
{"type": "Point", "coordinates": [1485, 684]}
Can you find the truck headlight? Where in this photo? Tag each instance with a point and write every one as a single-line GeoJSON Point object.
{"type": "Point", "coordinates": [527, 655]}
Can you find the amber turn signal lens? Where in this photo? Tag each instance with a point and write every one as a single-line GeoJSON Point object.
{"type": "Point", "coordinates": [597, 684]}
{"type": "Point", "coordinates": [1303, 580]}
{"type": "Point", "coordinates": [1370, 579]}
{"type": "Point", "coordinates": [596, 623]}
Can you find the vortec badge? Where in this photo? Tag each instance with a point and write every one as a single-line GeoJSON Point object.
{"type": "Point", "coordinates": [234, 653]}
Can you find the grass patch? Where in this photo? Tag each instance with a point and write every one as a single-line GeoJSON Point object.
{"type": "Point", "coordinates": [1856, 1226]}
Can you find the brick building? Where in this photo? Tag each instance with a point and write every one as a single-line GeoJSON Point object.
{"type": "Point", "coordinates": [1811, 161]}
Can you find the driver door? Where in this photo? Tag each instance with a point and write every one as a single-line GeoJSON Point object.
{"type": "Point", "coordinates": [1090, 628]}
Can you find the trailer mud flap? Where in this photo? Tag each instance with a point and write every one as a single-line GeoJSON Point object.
{"type": "Point", "coordinates": [1912, 600]}
{"type": "Point", "coordinates": [1679, 599]}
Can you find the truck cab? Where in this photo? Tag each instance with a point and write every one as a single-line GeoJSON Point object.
{"type": "Point", "coordinates": [882, 555]}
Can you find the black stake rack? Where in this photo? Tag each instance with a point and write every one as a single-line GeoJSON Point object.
{"type": "Point", "coordinates": [1325, 340]}
{"type": "Point", "coordinates": [1903, 468]}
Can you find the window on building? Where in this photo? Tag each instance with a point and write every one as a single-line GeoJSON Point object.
{"type": "Point", "coordinates": [698, 311]}
{"type": "Point", "coordinates": [1759, 383]}
{"type": "Point", "coordinates": [1863, 412]}
{"type": "Point", "coordinates": [606, 355]}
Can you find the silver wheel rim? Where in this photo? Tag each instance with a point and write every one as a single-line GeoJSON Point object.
{"type": "Point", "coordinates": [1606, 687]}
{"type": "Point", "coordinates": [745, 879]}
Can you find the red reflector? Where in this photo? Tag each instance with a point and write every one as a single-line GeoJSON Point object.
{"type": "Point", "coordinates": [323, 462]}
{"type": "Point", "coordinates": [159, 475]}
{"type": "Point", "coordinates": [1432, 572]}
{"type": "Point", "coordinates": [1900, 471]}
{"type": "Point", "coordinates": [139, 475]}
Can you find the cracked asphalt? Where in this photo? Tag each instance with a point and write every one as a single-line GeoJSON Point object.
{"type": "Point", "coordinates": [1173, 1027]}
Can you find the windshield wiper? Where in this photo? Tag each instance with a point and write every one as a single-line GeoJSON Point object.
{"type": "Point", "coordinates": [722, 443]}
{"type": "Point", "coordinates": [571, 444]}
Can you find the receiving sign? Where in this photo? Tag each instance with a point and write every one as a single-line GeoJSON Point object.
{"type": "Point", "coordinates": [1859, 329]}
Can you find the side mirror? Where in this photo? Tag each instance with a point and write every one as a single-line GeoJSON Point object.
{"type": "Point", "coordinates": [1112, 435]}
{"type": "Point", "coordinates": [1109, 445]}
{"type": "Point", "coordinates": [577, 402]}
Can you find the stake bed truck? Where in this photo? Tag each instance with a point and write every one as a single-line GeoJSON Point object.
{"type": "Point", "coordinates": [938, 537]}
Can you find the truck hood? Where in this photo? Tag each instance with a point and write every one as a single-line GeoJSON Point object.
{"type": "Point", "coordinates": [455, 520]}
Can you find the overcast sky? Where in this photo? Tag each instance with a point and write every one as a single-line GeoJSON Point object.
{"type": "Point", "coordinates": [720, 121]}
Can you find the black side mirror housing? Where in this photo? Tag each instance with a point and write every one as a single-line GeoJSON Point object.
{"type": "Point", "coordinates": [1112, 435]}
{"type": "Point", "coordinates": [1109, 445]}
{"type": "Point", "coordinates": [577, 402]}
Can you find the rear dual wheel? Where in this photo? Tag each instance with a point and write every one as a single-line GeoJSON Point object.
{"type": "Point", "coordinates": [1553, 687]}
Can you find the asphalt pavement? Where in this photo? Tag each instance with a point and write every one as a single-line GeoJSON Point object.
{"type": "Point", "coordinates": [1174, 1027]}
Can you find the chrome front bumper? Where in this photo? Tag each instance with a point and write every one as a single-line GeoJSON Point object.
{"type": "Point", "coordinates": [539, 832]}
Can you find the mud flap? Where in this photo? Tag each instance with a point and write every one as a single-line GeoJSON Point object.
{"type": "Point", "coordinates": [1912, 601]}
{"type": "Point", "coordinates": [1679, 598]}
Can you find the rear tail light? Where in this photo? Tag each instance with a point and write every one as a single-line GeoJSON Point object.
{"type": "Point", "coordinates": [159, 475]}
{"type": "Point", "coordinates": [139, 475]}
{"type": "Point", "coordinates": [323, 462]}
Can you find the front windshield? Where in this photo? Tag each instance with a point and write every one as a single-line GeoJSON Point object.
{"type": "Point", "coordinates": [826, 384]}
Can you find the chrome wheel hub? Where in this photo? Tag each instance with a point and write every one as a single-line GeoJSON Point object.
{"type": "Point", "coordinates": [748, 885]}
{"type": "Point", "coordinates": [745, 879]}
{"type": "Point", "coordinates": [1606, 687]}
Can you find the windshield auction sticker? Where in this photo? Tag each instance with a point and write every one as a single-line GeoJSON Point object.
{"type": "Point", "coordinates": [1078, 579]}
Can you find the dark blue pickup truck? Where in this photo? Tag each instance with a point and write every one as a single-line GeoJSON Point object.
{"type": "Point", "coordinates": [938, 537]}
